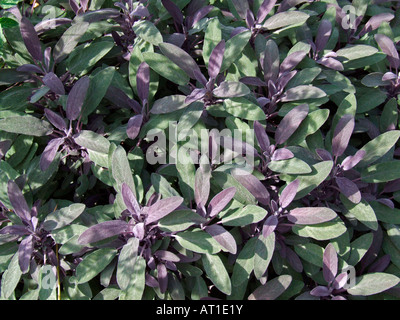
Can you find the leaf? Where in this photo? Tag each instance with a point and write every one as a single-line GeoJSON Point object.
{"type": "Point", "coordinates": [234, 48]}
{"type": "Point", "coordinates": [373, 283]}
{"type": "Point", "coordinates": [10, 278]}
{"type": "Point", "coordinates": [137, 284]}
{"type": "Point", "coordinates": [217, 273]}
{"type": "Point", "coordinates": [242, 108]}
{"type": "Point", "coordinates": [181, 58]}
{"type": "Point", "coordinates": [121, 170]}
{"type": "Point", "coordinates": [76, 97]}
{"type": "Point", "coordinates": [330, 263]}
{"type": "Point", "coordinates": [311, 215]}
{"type": "Point", "coordinates": [362, 211]}
{"type": "Point", "coordinates": [288, 193]}
{"type": "Point", "coordinates": [103, 231]}
{"type": "Point", "coordinates": [126, 263]}
{"type": "Point", "coordinates": [264, 250]}
{"type": "Point", "coordinates": [354, 52]}
{"type": "Point", "coordinates": [303, 92]}
{"type": "Point", "coordinates": [198, 241]}
{"type": "Point", "coordinates": [349, 189]}
{"type": "Point", "coordinates": [25, 251]}
{"type": "Point", "coordinates": [247, 215]}
{"type": "Point", "coordinates": [52, 81]}
{"type": "Point", "coordinates": [25, 124]}
{"type": "Point", "coordinates": [97, 146]}
{"type": "Point", "coordinates": [271, 61]}
{"type": "Point", "coordinates": [290, 166]}
{"type": "Point", "coordinates": [164, 67]}
{"type": "Point", "coordinates": [251, 183]}
{"type": "Point", "coordinates": [388, 47]}
{"type": "Point", "coordinates": [69, 40]}
{"type": "Point", "coordinates": [378, 147]}
{"type": "Point", "coordinates": [311, 253]}
{"type": "Point", "coordinates": [63, 217]}
{"type": "Point", "coordinates": [220, 201]}
{"type": "Point", "coordinates": [223, 237]}
{"type": "Point", "coordinates": [231, 89]}
{"type": "Point", "coordinates": [216, 58]}
{"type": "Point", "coordinates": [342, 134]}
{"type": "Point", "coordinates": [322, 231]}
{"type": "Point", "coordinates": [290, 123]}
{"type": "Point", "coordinates": [284, 19]}
{"type": "Point", "coordinates": [272, 289]}
{"type": "Point", "coordinates": [18, 201]}
{"type": "Point", "coordinates": [180, 220]}
{"type": "Point", "coordinates": [148, 31]}
{"type": "Point", "coordinates": [162, 208]}
{"type": "Point", "coordinates": [31, 39]}
{"type": "Point", "coordinates": [381, 172]}
{"type": "Point", "coordinates": [93, 263]}
{"type": "Point", "coordinates": [169, 104]}
{"type": "Point", "coordinates": [359, 248]}
{"type": "Point", "coordinates": [244, 264]}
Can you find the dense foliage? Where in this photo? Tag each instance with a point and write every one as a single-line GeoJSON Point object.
{"type": "Point", "coordinates": [176, 149]}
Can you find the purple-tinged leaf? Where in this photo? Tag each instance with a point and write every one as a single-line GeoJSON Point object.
{"type": "Point", "coordinates": [15, 229]}
{"type": "Point", "coordinates": [143, 81]}
{"type": "Point", "coordinates": [49, 153]}
{"type": "Point", "coordinates": [271, 61]}
{"type": "Point", "coordinates": [162, 275]}
{"type": "Point", "coordinates": [375, 21]}
{"type": "Point", "coordinates": [195, 95]}
{"type": "Point", "coordinates": [200, 14]}
{"type": "Point", "coordinates": [202, 79]}
{"type": "Point", "coordinates": [387, 202]}
{"type": "Point", "coordinates": [272, 289]}
{"type": "Point", "coordinates": [330, 263]}
{"type": "Point", "coordinates": [261, 136]}
{"type": "Point", "coordinates": [166, 255]}
{"type": "Point", "coordinates": [215, 61]}
{"type": "Point", "coordinates": [29, 68]}
{"type": "Point", "coordinates": [76, 97]}
{"type": "Point", "coordinates": [134, 105]}
{"type": "Point", "coordinates": [134, 125]}
{"type": "Point", "coordinates": [180, 57]}
{"type": "Point", "coordinates": [4, 146]}
{"type": "Point", "coordinates": [342, 134]}
{"type": "Point", "coordinates": [389, 76]}
{"type": "Point", "coordinates": [264, 9]}
{"type": "Point", "coordinates": [103, 231]}
{"type": "Point", "coordinates": [74, 6]}
{"type": "Point", "coordinates": [151, 281]}
{"type": "Point", "coordinates": [174, 11]}
{"type": "Point", "coordinates": [294, 260]}
{"type": "Point", "coordinates": [253, 81]}
{"type": "Point", "coordinates": [285, 78]}
{"type": "Point", "coordinates": [289, 193]}
{"type": "Point", "coordinates": [388, 47]}
{"type": "Point", "coordinates": [202, 185]}
{"type": "Point", "coordinates": [341, 298]}
{"type": "Point", "coordinates": [55, 119]}
{"type": "Point", "coordinates": [331, 63]}
{"type": "Point", "coordinates": [250, 20]}
{"type": "Point", "coordinates": [282, 154]}
{"type": "Point", "coordinates": [18, 202]}
{"type": "Point", "coordinates": [54, 83]}
{"type": "Point", "coordinates": [231, 89]}
{"type": "Point", "coordinates": [349, 189]}
{"type": "Point", "coordinates": [269, 225]}
{"type": "Point", "coordinates": [320, 291]}
{"type": "Point", "coordinates": [49, 24]}
{"type": "Point", "coordinates": [162, 208]}
{"type": "Point", "coordinates": [351, 161]}
{"type": "Point", "coordinates": [140, 11]}
{"type": "Point", "coordinates": [31, 39]}
{"type": "Point", "coordinates": [139, 230]}
{"type": "Point", "coordinates": [223, 237]}
{"type": "Point", "coordinates": [253, 185]}
{"type": "Point", "coordinates": [380, 265]}
{"type": "Point", "coordinates": [25, 251]}
{"type": "Point", "coordinates": [241, 7]}
{"type": "Point", "coordinates": [291, 61]}
{"type": "Point", "coordinates": [323, 34]}
{"type": "Point", "coordinates": [130, 200]}
{"type": "Point", "coordinates": [290, 123]}
{"type": "Point", "coordinates": [340, 281]}
{"type": "Point", "coordinates": [311, 215]}
{"type": "Point", "coordinates": [220, 201]}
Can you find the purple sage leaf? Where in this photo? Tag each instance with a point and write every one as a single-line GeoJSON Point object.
{"type": "Point", "coordinates": [330, 263]}
{"type": "Point", "coordinates": [76, 97]}
{"type": "Point", "coordinates": [25, 251]}
{"type": "Point", "coordinates": [311, 215]}
{"type": "Point", "coordinates": [223, 237]}
{"type": "Point", "coordinates": [290, 123]}
{"type": "Point", "coordinates": [289, 193]}
{"type": "Point", "coordinates": [31, 39]}
{"type": "Point", "coordinates": [54, 83]}
{"type": "Point", "coordinates": [143, 81]}
{"type": "Point", "coordinates": [162, 208]}
{"type": "Point", "coordinates": [220, 201]}
{"type": "Point", "coordinates": [342, 134]}
{"type": "Point", "coordinates": [349, 189]}
{"type": "Point", "coordinates": [388, 47]}
{"type": "Point", "coordinates": [215, 61]}
{"type": "Point", "coordinates": [18, 202]}
{"type": "Point", "coordinates": [103, 231]}
{"type": "Point", "coordinates": [49, 153]}
{"type": "Point", "coordinates": [134, 125]}
{"type": "Point", "coordinates": [323, 34]}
